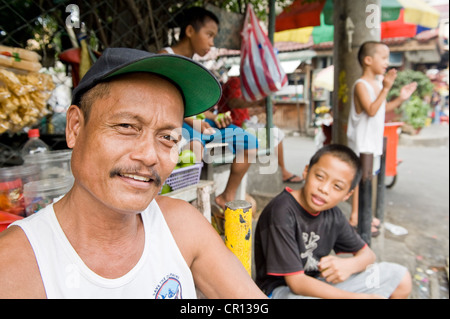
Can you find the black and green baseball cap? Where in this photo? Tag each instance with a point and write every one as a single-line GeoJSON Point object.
{"type": "Point", "coordinates": [199, 87]}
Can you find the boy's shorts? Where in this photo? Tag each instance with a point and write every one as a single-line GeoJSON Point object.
{"type": "Point", "coordinates": [380, 279]}
{"type": "Point", "coordinates": [236, 138]}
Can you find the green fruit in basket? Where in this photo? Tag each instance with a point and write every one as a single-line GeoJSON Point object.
{"type": "Point", "coordinates": [187, 164]}
{"type": "Point", "coordinates": [178, 166]}
{"type": "Point", "coordinates": [187, 157]}
{"type": "Point", "coordinates": [166, 189]}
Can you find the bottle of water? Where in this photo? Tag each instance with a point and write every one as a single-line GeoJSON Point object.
{"type": "Point", "coordinates": [34, 144]}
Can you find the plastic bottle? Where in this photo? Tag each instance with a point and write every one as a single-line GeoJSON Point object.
{"type": "Point", "coordinates": [34, 144]}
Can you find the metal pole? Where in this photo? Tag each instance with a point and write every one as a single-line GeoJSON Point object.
{"type": "Point", "coordinates": [296, 78]}
{"type": "Point", "coordinates": [381, 187]}
{"type": "Point", "coordinates": [269, 106]}
{"type": "Point", "coordinates": [365, 198]}
{"type": "Point", "coordinates": [238, 231]}
{"type": "Point", "coordinates": [308, 99]}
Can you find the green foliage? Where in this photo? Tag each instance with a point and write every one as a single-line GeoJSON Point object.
{"type": "Point", "coordinates": [424, 85]}
{"type": "Point", "coordinates": [239, 6]}
{"type": "Point", "coordinates": [41, 25]}
{"type": "Point", "coordinates": [415, 110]}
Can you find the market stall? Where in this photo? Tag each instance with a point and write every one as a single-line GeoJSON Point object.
{"type": "Point", "coordinates": [37, 175]}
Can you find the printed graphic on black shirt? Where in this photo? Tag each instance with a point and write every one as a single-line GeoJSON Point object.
{"type": "Point", "coordinates": [310, 241]}
{"type": "Point", "coordinates": [289, 240]}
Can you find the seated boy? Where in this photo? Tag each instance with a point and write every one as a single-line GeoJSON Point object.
{"type": "Point", "coordinates": [298, 229]}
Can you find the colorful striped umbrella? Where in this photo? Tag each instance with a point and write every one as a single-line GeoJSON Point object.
{"type": "Point", "coordinates": [324, 78]}
{"type": "Point", "coordinates": [320, 34]}
{"type": "Point", "coordinates": [400, 18]}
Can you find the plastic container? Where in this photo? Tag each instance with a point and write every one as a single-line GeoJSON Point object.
{"type": "Point", "coordinates": [6, 219]}
{"type": "Point", "coordinates": [391, 131]}
{"type": "Point", "coordinates": [185, 176]}
{"type": "Point", "coordinates": [34, 144]}
{"type": "Point", "coordinates": [39, 194]}
{"type": "Point", "coordinates": [12, 180]}
{"type": "Point", "coordinates": [52, 164]}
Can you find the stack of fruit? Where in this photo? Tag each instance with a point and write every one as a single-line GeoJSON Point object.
{"type": "Point", "coordinates": [185, 159]}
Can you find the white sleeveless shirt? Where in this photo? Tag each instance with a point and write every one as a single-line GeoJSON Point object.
{"type": "Point", "coordinates": [161, 272]}
{"type": "Point", "coordinates": [364, 132]}
{"type": "Point", "coordinates": [169, 50]}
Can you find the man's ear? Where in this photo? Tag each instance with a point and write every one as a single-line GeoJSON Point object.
{"type": "Point", "coordinates": [74, 122]}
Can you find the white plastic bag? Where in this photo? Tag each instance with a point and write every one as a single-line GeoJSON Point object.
{"type": "Point", "coordinates": [395, 229]}
{"type": "Point", "coordinates": [319, 138]}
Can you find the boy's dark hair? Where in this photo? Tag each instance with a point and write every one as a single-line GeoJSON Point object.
{"type": "Point", "coordinates": [196, 17]}
{"type": "Point", "coordinates": [343, 153]}
{"type": "Point", "coordinates": [367, 49]}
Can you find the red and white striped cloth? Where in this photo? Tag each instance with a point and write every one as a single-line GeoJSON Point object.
{"type": "Point", "coordinates": [261, 71]}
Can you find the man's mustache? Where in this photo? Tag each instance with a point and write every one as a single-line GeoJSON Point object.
{"type": "Point", "coordinates": [142, 171]}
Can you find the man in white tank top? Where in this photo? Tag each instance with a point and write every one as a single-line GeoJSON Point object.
{"type": "Point", "coordinates": [111, 236]}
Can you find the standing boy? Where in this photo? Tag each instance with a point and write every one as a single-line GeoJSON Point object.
{"type": "Point", "coordinates": [367, 113]}
{"type": "Point", "coordinates": [299, 228]}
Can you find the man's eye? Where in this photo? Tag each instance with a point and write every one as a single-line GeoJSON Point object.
{"type": "Point", "coordinates": [126, 128]}
{"type": "Point", "coordinates": [171, 138]}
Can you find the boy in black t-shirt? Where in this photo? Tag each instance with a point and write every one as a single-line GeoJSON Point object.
{"type": "Point", "coordinates": [298, 229]}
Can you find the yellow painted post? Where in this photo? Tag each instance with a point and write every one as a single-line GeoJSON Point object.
{"type": "Point", "coordinates": [238, 231]}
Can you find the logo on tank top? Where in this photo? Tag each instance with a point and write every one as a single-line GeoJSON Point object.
{"type": "Point", "coordinates": [169, 288]}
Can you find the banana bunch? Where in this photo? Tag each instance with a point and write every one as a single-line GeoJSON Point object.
{"type": "Point", "coordinates": [322, 109]}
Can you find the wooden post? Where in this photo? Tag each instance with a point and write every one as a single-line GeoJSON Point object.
{"type": "Point", "coordinates": [204, 200]}
{"type": "Point", "coordinates": [238, 231]}
{"type": "Point", "coordinates": [365, 198]}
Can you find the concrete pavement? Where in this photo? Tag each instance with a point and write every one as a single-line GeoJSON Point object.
{"type": "Point", "coordinates": [430, 136]}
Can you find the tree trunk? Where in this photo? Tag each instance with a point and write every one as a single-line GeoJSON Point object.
{"type": "Point", "coordinates": [355, 22]}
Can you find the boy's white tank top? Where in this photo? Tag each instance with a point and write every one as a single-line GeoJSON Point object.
{"type": "Point", "coordinates": [364, 132]}
{"type": "Point", "coordinates": [161, 272]}
{"type": "Point", "coordinates": [169, 50]}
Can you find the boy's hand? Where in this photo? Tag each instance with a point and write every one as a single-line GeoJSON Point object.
{"type": "Point", "coordinates": [334, 269]}
{"type": "Point", "coordinates": [389, 79]}
{"type": "Point", "coordinates": [223, 120]}
{"type": "Point", "coordinates": [407, 91]}
{"type": "Point", "coordinates": [207, 129]}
